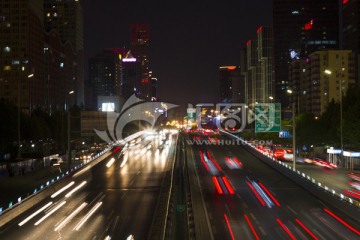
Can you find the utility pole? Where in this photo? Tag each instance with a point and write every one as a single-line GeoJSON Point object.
{"type": "Point", "coordinates": [294, 135]}
{"type": "Point", "coordinates": [68, 139]}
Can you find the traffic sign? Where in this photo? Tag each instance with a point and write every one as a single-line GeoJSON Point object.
{"type": "Point", "coordinates": [285, 134]}
{"type": "Point", "coordinates": [267, 117]}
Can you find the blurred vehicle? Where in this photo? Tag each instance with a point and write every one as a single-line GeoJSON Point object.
{"type": "Point", "coordinates": [355, 185]}
{"type": "Point", "coordinates": [322, 163]}
{"type": "Point", "coordinates": [283, 154]}
{"type": "Point", "coordinates": [354, 176]}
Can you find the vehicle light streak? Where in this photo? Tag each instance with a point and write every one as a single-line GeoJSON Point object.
{"type": "Point", "coordinates": [341, 221]}
{"type": "Point", "coordinates": [286, 229]}
{"type": "Point", "coordinates": [68, 218]}
{"type": "Point", "coordinates": [203, 161]}
{"type": "Point", "coordinates": [34, 214]}
{"type": "Point", "coordinates": [124, 162]}
{"type": "Point", "coordinates": [62, 189]}
{"type": "Point", "coordinates": [49, 213]}
{"type": "Point", "coordinates": [256, 194]}
{"type": "Point", "coordinates": [87, 216]}
{"type": "Point", "coordinates": [269, 194]}
{"type": "Point", "coordinates": [306, 229]}
{"type": "Point", "coordinates": [110, 163]}
{"type": "Point", "coordinates": [229, 227]}
{"type": "Point", "coordinates": [251, 227]}
{"type": "Point", "coordinates": [217, 185]}
{"type": "Point", "coordinates": [75, 189]}
{"type": "Point", "coordinates": [228, 185]}
{"type": "Point", "coordinates": [237, 161]}
{"type": "Point", "coordinates": [267, 200]}
{"type": "Point", "coordinates": [352, 194]}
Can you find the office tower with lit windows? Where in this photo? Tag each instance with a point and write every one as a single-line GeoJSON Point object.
{"type": "Point", "coordinates": [300, 28]}
{"type": "Point", "coordinates": [105, 75]}
{"type": "Point", "coordinates": [131, 76]}
{"type": "Point", "coordinates": [21, 55]}
{"type": "Point", "coordinates": [66, 17]}
{"type": "Point", "coordinates": [140, 51]}
{"type": "Point", "coordinates": [264, 88]}
{"type": "Point", "coordinates": [351, 30]}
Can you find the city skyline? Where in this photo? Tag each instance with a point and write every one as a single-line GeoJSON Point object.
{"type": "Point", "coordinates": [197, 38]}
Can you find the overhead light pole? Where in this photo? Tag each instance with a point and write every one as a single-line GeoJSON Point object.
{"type": "Point", "coordinates": [289, 91]}
{"type": "Point", "coordinates": [329, 72]}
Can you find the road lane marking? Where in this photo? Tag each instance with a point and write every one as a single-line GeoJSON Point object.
{"type": "Point", "coordinates": [292, 210]}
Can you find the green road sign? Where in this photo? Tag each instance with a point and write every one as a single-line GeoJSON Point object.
{"type": "Point", "coordinates": [268, 117]}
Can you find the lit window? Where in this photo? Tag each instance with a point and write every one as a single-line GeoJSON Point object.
{"type": "Point", "coordinates": [7, 49]}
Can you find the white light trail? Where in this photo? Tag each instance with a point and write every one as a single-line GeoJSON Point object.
{"type": "Point", "coordinates": [68, 218]}
{"type": "Point", "coordinates": [62, 189]}
{"type": "Point", "coordinates": [87, 216]}
{"type": "Point", "coordinates": [34, 214]}
{"type": "Point", "coordinates": [49, 213]}
{"type": "Point", "coordinates": [75, 189]}
{"type": "Point", "coordinates": [110, 163]}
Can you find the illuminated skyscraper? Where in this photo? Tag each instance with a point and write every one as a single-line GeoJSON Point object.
{"type": "Point", "coordinates": [140, 51]}
{"type": "Point", "coordinates": [300, 28]}
{"type": "Point", "coordinates": [66, 17]}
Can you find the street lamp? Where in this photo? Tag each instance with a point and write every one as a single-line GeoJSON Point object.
{"type": "Point", "coordinates": [289, 91]}
{"type": "Point", "coordinates": [328, 72]}
{"type": "Point", "coordinates": [68, 134]}
{"type": "Point", "coordinates": [271, 98]}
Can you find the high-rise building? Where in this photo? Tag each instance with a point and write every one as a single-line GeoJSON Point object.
{"type": "Point", "coordinates": [300, 28]}
{"type": "Point", "coordinates": [265, 80]}
{"type": "Point", "coordinates": [323, 76]}
{"type": "Point", "coordinates": [59, 73]}
{"type": "Point", "coordinates": [131, 76]}
{"type": "Point", "coordinates": [21, 55]}
{"type": "Point", "coordinates": [230, 84]}
{"type": "Point", "coordinates": [105, 75]}
{"type": "Point", "coordinates": [351, 30]}
{"type": "Point", "coordinates": [300, 85]}
{"type": "Point", "coordinates": [66, 17]}
{"type": "Point", "coordinates": [257, 67]}
{"type": "Point", "coordinates": [140, 50]}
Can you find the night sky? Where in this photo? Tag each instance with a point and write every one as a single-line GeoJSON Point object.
{"type": "Point", "coordinates": [189, 40]}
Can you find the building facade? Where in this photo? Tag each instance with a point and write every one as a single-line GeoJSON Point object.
{"type": "Point", "coordinates": [230, 84]}
{"type": "Point", "coordinates": [300, 28]}
{"type": "Point", "coordinates": [21, 53]}
{"type": "Point", "coordinates": [66, 17]}
{"type": "Point", "coordinates": [320, 78]}
{"type": "Point", "coordinates": [140, 51]}
{"type": "Point", "coordinates": [105, 75]}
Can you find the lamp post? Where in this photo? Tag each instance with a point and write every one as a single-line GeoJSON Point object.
{"type": "Point", "coordinates": [329, 72]}
{"type": "Point", "coordinates": [69, 134]}
{"type": "Point", "coordinates": [289, 91]}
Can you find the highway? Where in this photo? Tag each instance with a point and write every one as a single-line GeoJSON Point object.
{"type": "Point", "coordinates": [114, 199]}
{"type": "Point", "coordinates": [264, 204]}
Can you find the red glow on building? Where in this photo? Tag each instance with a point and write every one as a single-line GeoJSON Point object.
{"type": "Point", "coordinates": [248, 42]}
{"type": "Point", "coordinates": [259, 29]}
{"type": "Point", "coordinates": [308, 25]}
{"type": "Point", "coordinates": [345, 1]}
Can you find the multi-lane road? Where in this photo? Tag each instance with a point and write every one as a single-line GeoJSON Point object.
{"type": "Point", "coordinates": [114, 199]}
{"type": "Point", "coordinates": [247, 199]}
{"type": "Point", "coordinates": [235, 196]}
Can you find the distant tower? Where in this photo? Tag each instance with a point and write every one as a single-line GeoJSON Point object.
{"type": "Point", "coordinates": [230, 84]}
{"type": "Point", "coordinates": [66, 17]}
{"type": "Point", "coordinates": [104, 75]}
{"type": "Point", "coordinates": [300, 28]}
{"type": "Point", "coordinates": [140, 50]}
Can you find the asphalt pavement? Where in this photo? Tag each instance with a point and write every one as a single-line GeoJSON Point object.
{"type": "Point", "coordinates": [246, 214]}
